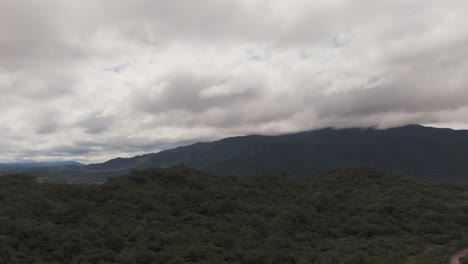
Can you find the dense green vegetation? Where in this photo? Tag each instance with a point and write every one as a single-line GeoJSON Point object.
{"type": "Point", "coordinates": [428, 153]}
{"type": "Point", "coordinates": [180, 215]}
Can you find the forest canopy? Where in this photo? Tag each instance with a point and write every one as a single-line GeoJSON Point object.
{"type": "Point", "coordinates": [181, 215]}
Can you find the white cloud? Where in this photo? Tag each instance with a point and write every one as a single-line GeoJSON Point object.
{"type": "Point", "coordinates": [94, 80]}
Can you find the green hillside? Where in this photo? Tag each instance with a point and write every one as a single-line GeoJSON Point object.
{"type": "Point", "coordinates": [180, 215]}
{"type": "Point", "coordinates": [434, 154]}
{"type": "Point", "coordinates": [428, 153]}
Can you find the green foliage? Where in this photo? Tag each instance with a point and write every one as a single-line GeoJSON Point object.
{"type": "Point", "coordinates": [179, 215]}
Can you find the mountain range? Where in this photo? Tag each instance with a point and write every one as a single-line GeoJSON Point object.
{"type": "Point", "coordinates": [39, 164]}
{"type": "Point", "coordinates": [437, 154]}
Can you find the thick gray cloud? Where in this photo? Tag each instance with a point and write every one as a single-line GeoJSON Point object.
{"type": "Point", "coordinates": [192, 93]}
{"type": "Point", "coordinates": [98, 79]}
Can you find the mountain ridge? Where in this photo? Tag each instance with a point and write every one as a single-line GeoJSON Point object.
{"type": "Point", "coordinates": [39, 164]}
{"type": "Point", "coordinates": [438, 154]}
{"type": "Point", "coordinates": [303, 153]}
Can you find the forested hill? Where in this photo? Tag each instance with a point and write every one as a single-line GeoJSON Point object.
{"type": "Point", "coordinates": [180, 215]}
{"type": "Point", "coordinates": [431, 153]}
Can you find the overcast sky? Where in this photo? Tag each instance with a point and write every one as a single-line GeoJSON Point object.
{"type": "Point", "coordinates": [92, 80]}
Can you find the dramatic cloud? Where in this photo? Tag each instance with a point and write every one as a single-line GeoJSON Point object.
{"type": "Point", "coordinates": [98, 79]}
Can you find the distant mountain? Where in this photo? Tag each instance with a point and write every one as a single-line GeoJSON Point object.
{"type": "Point", "coordinates": [40, 164]}
{"type": "Point", "coordinates": [426, 152]}
{"type": "Point", "coordinates": [430, 153]}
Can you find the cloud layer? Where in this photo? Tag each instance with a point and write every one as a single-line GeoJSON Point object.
{"type": "Point", "coordinates": [91, 81]}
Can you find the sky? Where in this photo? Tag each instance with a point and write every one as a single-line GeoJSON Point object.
{"type": "Point", "coordinates": [93, 80]}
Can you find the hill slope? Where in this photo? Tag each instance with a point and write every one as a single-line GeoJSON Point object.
{"type": "Point", "coordinates": [430, 153]}
{"type": "Point", "coordinates": [179, 215]}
